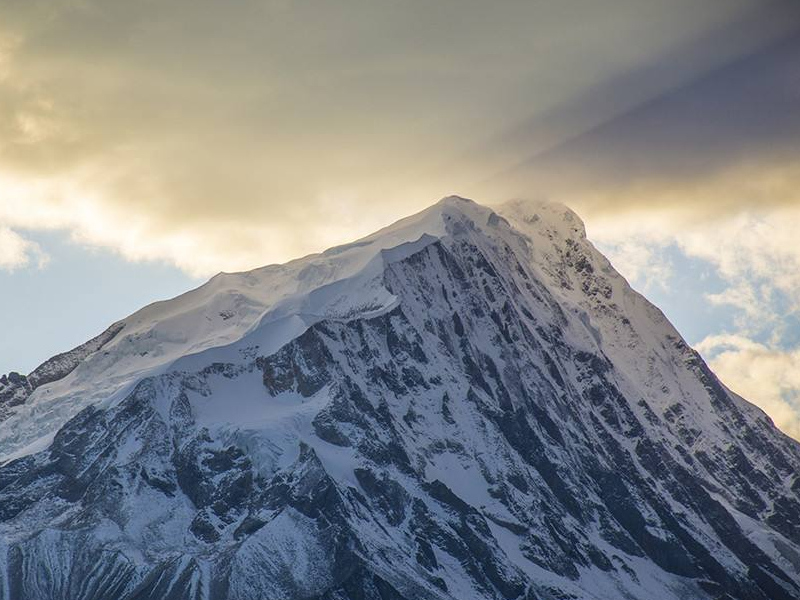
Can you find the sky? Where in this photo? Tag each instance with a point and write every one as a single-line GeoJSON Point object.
{"type": "Point", "coordinates": [145, 146]}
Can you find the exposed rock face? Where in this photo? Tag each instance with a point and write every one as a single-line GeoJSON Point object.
{"type": "Point", "coordinates": [483, 409]}
{"type": "Point", "coordinates": [14, 390]}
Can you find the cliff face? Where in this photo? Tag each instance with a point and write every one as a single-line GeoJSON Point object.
{"type": "Point", "coordinates": [468, 404]}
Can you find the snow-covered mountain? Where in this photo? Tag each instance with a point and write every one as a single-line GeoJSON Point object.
{"type": "Point", "coordinates": [469, 404]}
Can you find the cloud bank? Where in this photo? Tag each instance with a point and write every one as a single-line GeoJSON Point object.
{"type": "Point", "coordinates": [225, 137]}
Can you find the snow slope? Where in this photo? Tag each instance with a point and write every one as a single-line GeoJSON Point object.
{"type": "Point", "coordinates": [264, 308]}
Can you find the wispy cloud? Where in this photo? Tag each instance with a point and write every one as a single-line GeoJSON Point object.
{"type": "Point", "coordinates": [16, 252]}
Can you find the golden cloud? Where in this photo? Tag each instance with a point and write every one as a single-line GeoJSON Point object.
{"type": "Point", "coordinates": [768, 377]}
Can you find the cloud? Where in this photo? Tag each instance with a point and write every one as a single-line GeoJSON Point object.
{"type": "Point", "coordinates": [228, 137]}
{"type": "Point", "coordinates": [757, 253]}
{"type": "Point", "coordinates": [766, 376]}
{"type": "Point", "coordinates": [16, 252]}
{"type": "Point", "coordinates": [750, 245]}
{"type": "Point", "coordinates": [640, 260]}
{"type": "Point", "coordinates": [723, 142]}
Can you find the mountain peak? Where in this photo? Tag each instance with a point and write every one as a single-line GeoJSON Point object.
{"type": "Point", "coordinates": [534, 215]}
{"type": "Point", "coordinates": [457, 201]}
{"type": "Point", "coordinates": [469, 403]}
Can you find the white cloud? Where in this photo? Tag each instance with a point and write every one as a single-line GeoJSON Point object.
{"type": "Point", "coordinates": [751, 248]}
{"type": "Point", "coordinates": [16, 252]}
{"type": "Point", "coordinates": [200, 244]}
{"type": "Point", "coordinates": [757, 254]}
{"type": "Point", "coordinates": [640, 260]}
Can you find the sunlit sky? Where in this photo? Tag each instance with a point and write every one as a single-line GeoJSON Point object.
{"type": "Point", "coordinates": [145, 146]}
